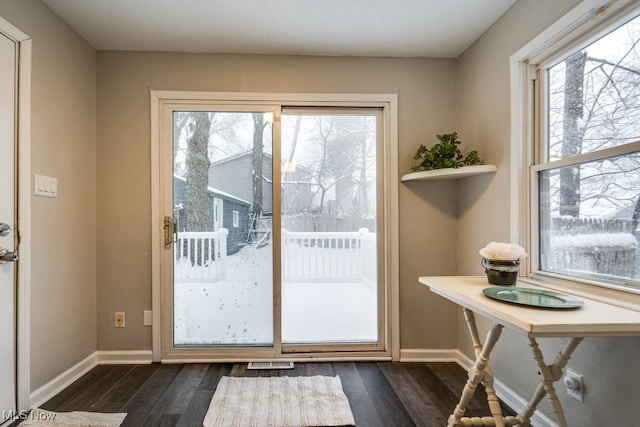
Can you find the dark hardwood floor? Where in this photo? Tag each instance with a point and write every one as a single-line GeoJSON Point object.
{"type": "Point", "coordinates": [381, 394]}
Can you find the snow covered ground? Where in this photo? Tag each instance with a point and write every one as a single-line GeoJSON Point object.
{"type": "Point", "coordinates": [238, 310]}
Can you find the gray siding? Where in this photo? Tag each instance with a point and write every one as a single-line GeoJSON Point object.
{"type": "Point", "coordinates": [234, 176]}
{"type": "Point", "coordinates": [237, 237]}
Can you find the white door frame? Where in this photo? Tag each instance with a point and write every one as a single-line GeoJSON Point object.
{"type": "Point", "coordinates": [23, 42]}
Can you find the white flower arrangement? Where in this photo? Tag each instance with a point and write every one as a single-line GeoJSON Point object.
{"type": "Point", "coordinates": [503, 251]}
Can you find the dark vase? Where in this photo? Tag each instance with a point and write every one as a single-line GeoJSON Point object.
{"type": "Point", "coordinates": [501, 272]}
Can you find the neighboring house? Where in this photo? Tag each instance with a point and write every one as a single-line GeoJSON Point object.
{"type": "Point", "coordinates": [235, 213]}
{"type": "Point", "coordinates": [233, 175]}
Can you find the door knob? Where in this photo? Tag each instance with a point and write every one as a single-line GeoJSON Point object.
{"type": "Point", "coordinates": [5, 229]}
{"type": "Point", "coordinates": [8, 256]}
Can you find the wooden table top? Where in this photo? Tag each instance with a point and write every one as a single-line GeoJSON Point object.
{"type": "Point", "coordinates": [594, 318]}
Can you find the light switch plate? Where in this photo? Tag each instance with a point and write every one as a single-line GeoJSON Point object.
{"type": "Point", "coordinates": [45, 186]}
{"type": "Point", "coordinates": [147, 318]}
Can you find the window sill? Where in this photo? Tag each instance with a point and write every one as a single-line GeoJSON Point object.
{"type": "Point", "coordinates": [624, 298]}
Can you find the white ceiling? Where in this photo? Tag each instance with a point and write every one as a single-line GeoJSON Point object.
{"type": "Point", "coordinates": [392, 28]}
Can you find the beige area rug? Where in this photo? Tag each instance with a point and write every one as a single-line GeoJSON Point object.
{"type": "Point", "coordinates": [279, 402]}
{"type": "Point", "coordinates": [42, 418]}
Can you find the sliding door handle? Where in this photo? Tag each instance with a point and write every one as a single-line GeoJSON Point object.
{"type": "Point", "coordinates": [168, 230]}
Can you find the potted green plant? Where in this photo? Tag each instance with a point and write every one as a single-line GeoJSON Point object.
{"type": "Point", "coordinates": [444, 154]}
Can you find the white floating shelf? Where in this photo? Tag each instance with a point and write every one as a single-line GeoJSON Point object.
{"type": "Point", "coordinates": [449, 173]}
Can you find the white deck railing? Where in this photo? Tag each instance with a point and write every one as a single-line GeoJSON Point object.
{"type": "Point", "coordinates": [306, 256]}
{"type": "Point", "coordinates": [329, 256]}
{"type": "Point", "coordinates": [200, 256]}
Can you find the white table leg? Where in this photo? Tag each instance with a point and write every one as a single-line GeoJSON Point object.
{"type": "Point", "coordinates": [477, 373]}
{"type": "Point", "coordinates": [492, 399]}
{"type": "Point", "coordinates": [548, 374]}
{"type": "Point", "coordinates": [481, 372]}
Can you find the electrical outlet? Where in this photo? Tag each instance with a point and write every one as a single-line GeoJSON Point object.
{"type": "Point", "coordinates": [119, 319]}
{"type": "Point", "coordinates": [574, 383]}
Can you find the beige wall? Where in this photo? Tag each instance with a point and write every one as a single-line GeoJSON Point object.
{"type": "Point", "coordinates": [426, 107]}
{"type": "Point", "coordinates": [63, 131]}
{"type": "Point", "coordinates": [483, 117]}
{"type": "Point", "coordinates": [74, 265]}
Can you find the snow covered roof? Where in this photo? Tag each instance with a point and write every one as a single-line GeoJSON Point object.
{"type": "Point", "coordinates": [215, 190]}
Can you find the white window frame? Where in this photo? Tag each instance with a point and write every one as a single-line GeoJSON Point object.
{"type": "Point", "coordinates": [575, 28]}
{"type": "Point", "coordinates": [236, 219]}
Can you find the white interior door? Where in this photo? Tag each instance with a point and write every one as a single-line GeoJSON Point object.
{"type": "Point", "coordinates": [7, 225]}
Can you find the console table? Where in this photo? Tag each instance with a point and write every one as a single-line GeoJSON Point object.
{"type": "Point", "coordinates": [592, 319]}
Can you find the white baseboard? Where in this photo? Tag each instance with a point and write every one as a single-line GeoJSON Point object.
{"type": "Point", "coordinates": [504, 393]}
{"type": "Point", "coordinates": [59, 383]}
{"type": "Point", "coordinates": [65, 379]}
{"type": "Point", "coordinates": [430, 355]}
{"type": "Point", "coordinates": [132, 357]}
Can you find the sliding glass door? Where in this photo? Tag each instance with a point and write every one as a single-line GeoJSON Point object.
{"type": "Point", "coordinates": [223, 252]}
{"type": "Point", "coordinates": [271, 230]}
{"type": "Point", "coordinates": [329, 221]}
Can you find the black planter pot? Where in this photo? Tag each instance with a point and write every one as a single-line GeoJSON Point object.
{"type": "Point", "coordinates": [501, 272]}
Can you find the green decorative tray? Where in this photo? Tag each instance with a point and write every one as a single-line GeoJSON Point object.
{"type": "Point", "coordinates": [532, 297]}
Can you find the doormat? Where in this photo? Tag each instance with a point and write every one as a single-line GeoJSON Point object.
{"type": "Point", "coordinates": [279, 402]}
{"type": "Point", "coordinates": [41, 418]}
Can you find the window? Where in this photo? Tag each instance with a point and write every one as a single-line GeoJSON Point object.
{"type": "Point", "coordinates": [584, 184]}
{"type": "Point", "coordinates": [236, 219]}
